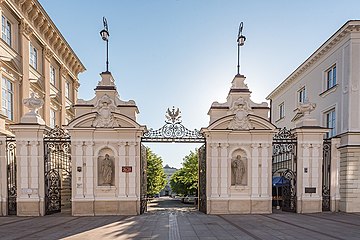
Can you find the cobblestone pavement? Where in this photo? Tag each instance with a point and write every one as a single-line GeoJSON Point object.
{"type": "Point", "coordinates": [182, 222]}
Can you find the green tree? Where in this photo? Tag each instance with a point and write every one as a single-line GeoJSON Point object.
{"type": "Point", "coordinates": [185, 180]}
{"type": "Point", "coordinates": [156, 178]}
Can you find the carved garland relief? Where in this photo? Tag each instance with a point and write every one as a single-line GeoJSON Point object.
{"type": "Point", "coordinates": [241, 109]}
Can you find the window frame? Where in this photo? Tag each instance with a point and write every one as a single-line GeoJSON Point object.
{"type": "Point", "coordinates": [301, 95]}
{"type": "Point", "coordinates": [330, 77]}
{"type": "Point", "coordinates": [52, 118]}
{"type": "Point", "coordinates": [52, 75]}
{"type": "Point", "coordinates": [330, 122]}
{"type": "Point", "coordinates": [6, 30]}
{"type": "Point", "coordinates": [33, 56]}
{"type": "Point", "coordinates": [281, 109]}
{"type": "Point", "coordinates": [7, 96]}
{"type": "Point", "coordinates": [67, 89]}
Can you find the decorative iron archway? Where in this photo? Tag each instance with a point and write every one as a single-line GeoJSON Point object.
{"type": "Point", "coordinates": [57, 159]}
{"type": "Point", "coordinates": [284, 168]}
{"type": "Point", "coordinates": [175, 131]}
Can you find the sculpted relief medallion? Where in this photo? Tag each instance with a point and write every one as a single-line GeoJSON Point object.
{"type": "Point", "coordinates": [104, 117]}
{"type": "Point", "coordinates": [241, 109]}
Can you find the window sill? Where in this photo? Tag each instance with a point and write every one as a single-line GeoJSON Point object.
{"type": "Point", "coordinates": [328, 91]}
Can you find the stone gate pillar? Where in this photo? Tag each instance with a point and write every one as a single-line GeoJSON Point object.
{"type": "Point", "coordinates": [310, 137]}
{"type": "Point", "coordinates": [239, 154]}
{"type": "Point", "coordinates": [29, 134]}
{"type": "Point", "coordinates": [105, 140]}
{"type": "Point", "coordinates": [3, 176]}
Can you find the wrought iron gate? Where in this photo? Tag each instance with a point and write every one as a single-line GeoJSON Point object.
{"type": "Point", "coordinates": [143, 180]}
{"type": "Point", "coordinates": [57, 159]}
{"type": "Point", "coordinates": [202, 178]}
{"type": "Point", "coordinates": [326, 174]}
{"type": "Point", "coordinates": [11, 176]}
{"type": "Point", "coordinates": [284, 165]}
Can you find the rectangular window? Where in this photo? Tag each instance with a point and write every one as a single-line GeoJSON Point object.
{"type": "Point", "coordinates": [6, 30]}
{"type": "Point", "coordinates": [52, 118]}
{"type": "Point", "coordinates": [52, 75]}
{"type": "Point", "coordinates": [331, 77]}
{"type": "Point", "coordinates": [302, 95]}
{"type": "Point", "coordinates": [281, 111]}
{"type": "Point", "coordinates": [330, 119]}
{"type": "Point", "coordinates": [67, 89]}
{"type": "Point", "coordinates": [33, 56]}
{"type": "Point", "coordinates": [7, 100]}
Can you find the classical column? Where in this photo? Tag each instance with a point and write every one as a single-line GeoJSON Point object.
{"type": "Point", "coordinates": [89, 167]}
{"type": "Point", "coordinates": [223, 169]}
{"type": "Point", "coordinates": [214, 172]}
{"type": "Point", "coordinates": [48, 54]}
{"type": "Point", "coordinates": [255, 181]}
{"type": "Point", "coordinates": [25, 34]}
{"type": "Point", "coordinates": [121, 176]}
{"type": "Point", "coordinates": [132, 175]}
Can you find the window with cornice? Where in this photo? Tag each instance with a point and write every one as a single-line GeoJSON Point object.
{"type": "Point", "coordinates": [7, 98]}
{"type": "Point", "coordinates": [331, 77]}
{"type": "Point", "coordinates": [52, 75]}
{"type": "Point", "coordinates": [67, 89]}
{"type": "Point", "coordinates": [33, 56]}
{"type": "Point", "coordinates": [6, 30]}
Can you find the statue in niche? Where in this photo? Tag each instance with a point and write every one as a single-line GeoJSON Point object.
{"type": "Point", "coordinates": [104, 117]}
{"type": "Point", "coordinates": [238, 170]}
{"type": "Point", "coordinates": [106, 170]}
{"type": "Point", "coordinates": [241, 109]}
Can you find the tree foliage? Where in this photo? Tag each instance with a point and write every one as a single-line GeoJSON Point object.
{"type": "Point", "coordinates": [156, 178]}
{"type": "Point", "coordinates": [185, 180]}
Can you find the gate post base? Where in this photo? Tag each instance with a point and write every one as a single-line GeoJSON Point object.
{"type": "Point", "coordinates": [309, 205]}
{"type": "Point", "coordinates": [28, 207]}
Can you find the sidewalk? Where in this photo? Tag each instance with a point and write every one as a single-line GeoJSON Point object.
{"type": "Point", "coordinates": [182, 223]}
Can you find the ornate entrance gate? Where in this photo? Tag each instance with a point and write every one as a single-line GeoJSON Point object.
{"type": "Point", "coordinates": [284, 167]}
{"type": "Point", "coordinates": [174, 131]}
{"type": "Point", "coordinates": [11, 175]}
{"type": "Point", "coordinates": [326, 175]}
{"type": "Point", "coordinates": [57, 159]}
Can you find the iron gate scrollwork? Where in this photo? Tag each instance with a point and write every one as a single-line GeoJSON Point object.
{"type": "Point", "coordinates": [326, 175]}
{"type": "Point", "coordinates": [11, 176]}
{"type": "Point", "coordinates": [143, 179]}
{"type": "Point", "coordinates": [284, 165]}
{"type": "Point", "coordinates": [202, 178]}
{"type": "Point", "coordinates": [57, 159]}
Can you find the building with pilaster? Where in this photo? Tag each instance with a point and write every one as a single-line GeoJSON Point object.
{"type": "Point", "coordinates": [329, 81]}
{"type": "Point", "coordinates": [35, 58]}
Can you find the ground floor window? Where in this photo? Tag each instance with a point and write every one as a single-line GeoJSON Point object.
{"type": "Point", "coordinates": [7, 98]}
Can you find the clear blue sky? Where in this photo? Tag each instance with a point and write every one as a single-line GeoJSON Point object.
{"type": "Point", "coordinates": [182, 53]}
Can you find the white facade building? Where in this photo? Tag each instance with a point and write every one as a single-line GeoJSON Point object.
{"type": "Point", "coordinates": [330, 78]}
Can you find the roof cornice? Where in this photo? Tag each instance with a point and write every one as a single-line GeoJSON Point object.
{"type": "Point", "coordinates": [34, 16]}
{"type": "Point", "coordinates": [348, 27]}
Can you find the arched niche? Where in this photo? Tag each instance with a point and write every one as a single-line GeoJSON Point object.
{"type": "Point", "coordinates": [239, 168]}
{"type": "Point", "coordinates": [106, 167]}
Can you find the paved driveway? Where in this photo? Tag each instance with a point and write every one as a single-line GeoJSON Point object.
{"type": "Point", "coordinates": [184, 223]}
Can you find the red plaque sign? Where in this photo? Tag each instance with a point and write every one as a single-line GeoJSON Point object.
{"type": "Point", "coordinates": [126, 169]}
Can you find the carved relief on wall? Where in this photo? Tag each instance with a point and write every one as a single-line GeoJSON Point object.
{"type": "Point", "coordinates": [241, 109]}
{"type": "Point", "coordinates": [238, 169]}
{"type": "Point", "coordinates": [106, 166]}
{"type": "Point", "coordinates": [104, 117]}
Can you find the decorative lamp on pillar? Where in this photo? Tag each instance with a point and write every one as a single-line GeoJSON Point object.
{"type": "Point", "coordinates": [105, 36]}
{"type": "Point", "coordinates": [241, 41]}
